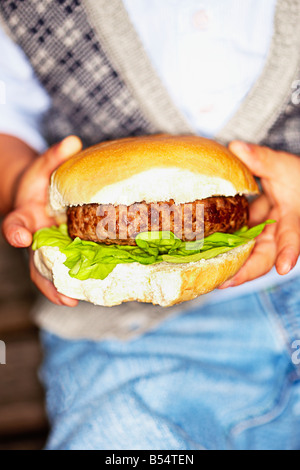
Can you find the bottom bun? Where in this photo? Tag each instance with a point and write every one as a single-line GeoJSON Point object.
{"type": "Point", "coordinates": [163, 284]}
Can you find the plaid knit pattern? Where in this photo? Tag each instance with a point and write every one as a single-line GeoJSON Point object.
{"type": "Point", "coordinates": [89, 97]}
{"type": "Point", "coordinates": [285, 133]}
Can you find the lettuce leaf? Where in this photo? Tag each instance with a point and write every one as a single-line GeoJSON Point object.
{"type": "Point", "coordinates": [89, 260]}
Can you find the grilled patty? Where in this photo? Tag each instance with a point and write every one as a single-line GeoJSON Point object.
{"type": "Point", "coordinates": [120, 225]}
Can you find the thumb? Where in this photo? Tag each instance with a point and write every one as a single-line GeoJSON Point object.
{"type": "Point", "coordinates": [57, 154]}
{"type": "Point", "coordinates": [17, 228]}
{"type": "Point", "coordinates": [262, 161]}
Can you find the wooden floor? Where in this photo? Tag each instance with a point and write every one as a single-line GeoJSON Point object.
{"type": "Point", "coordinates": [23, 423]}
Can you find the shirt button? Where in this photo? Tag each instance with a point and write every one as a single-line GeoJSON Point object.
{"type": "Point", "coordinates": [200, 20]}
{"type": "Point", "coordinates": [206, 108]}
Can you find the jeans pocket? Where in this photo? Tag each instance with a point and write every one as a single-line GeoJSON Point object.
{"type": "Point", "coordinates": [275, 429]}
{"type": "Point", "coordinates": [283, 306]}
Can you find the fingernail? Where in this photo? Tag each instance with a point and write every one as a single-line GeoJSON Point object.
{"type": "Point", "coordinates": [61, 302]}
{"type": "Point", "coordinates": [228, 284]}
{"type": "Point", "coordinates": [287, 264]}
{"type": "Point", "coordinates": [286, 268]}
{"type": "Point", "coordinates": [245, 146]}
{"type": "Point", "coordinates": [18, 240]}
{"type": "Point", "coordinates": [68, 302]}
{"type": "Point", "coordinates": [63, 146]}
{"type": "Point", "coordinates": [70, 145]}
{"type": "Point", "coordinates": [239, 147]}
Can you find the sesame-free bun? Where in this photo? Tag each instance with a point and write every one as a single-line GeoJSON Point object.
{"type": "Point", "coordinates": [150, 169]}
{"type": "Point", "coordinates": [162, 284]}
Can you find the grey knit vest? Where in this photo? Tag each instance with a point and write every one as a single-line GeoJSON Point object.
{"type": "Point", "coordinates": [89, 58]}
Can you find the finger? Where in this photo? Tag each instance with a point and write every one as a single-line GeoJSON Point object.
{"type": "Point", "coordinates": [34, 188]}
{"type": "Point", "coordinates": [19, 225]}
{"type": "Point", "coordinates": [17, 229]}
{"type": "Point", "coordinates": [288, 243]}
{"type": "Point", "coordinates": [262, 161]}
{"type": "Point", "coordinates": [260, 262]}
{"type": "Point", "coordinates": [57, 154]}
{"type": "Point", "coordinates": [48, 289]}
{"type": "Point", "coordinates": [259, 210]}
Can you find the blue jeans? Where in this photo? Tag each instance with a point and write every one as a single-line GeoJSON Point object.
{"type": "Point", "coordinates": [224, 376]}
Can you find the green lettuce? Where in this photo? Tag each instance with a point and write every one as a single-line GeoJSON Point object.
{"type": "Point", "coordinates": [89, 260]}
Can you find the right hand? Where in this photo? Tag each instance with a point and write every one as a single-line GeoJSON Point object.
{"type": "Point", "coordinates": [279, 244]}
{"type": "Point", "coordinates": [30, 210]}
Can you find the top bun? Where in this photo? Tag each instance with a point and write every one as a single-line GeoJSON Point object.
{"type": "Point", "coordinates": [150, 169]}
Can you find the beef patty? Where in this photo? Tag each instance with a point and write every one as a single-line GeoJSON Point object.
{"type": "Point", "coordinates": [120, 225]}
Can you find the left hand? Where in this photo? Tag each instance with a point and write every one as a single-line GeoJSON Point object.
{"type": "Point", "coordinates": [279, 244]}
{"type": "Point", "coordinates": [30, 210]}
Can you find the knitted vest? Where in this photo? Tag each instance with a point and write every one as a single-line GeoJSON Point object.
{"type": "Point", "coordinates": [90, 60]}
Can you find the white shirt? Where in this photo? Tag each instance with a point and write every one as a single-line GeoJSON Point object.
{"type": "Point", "coordinates": [208, 53]}
{"type": "Point", "coordinates": [228, 41]}
{"type": "Point", "coordinates": [22, 99]}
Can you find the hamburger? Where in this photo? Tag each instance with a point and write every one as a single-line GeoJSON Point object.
{"type": "Point", "coordinates": [158, 219]}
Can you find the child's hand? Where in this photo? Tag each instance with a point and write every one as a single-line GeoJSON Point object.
{"type": "Point", "coordinates": [279, 245]}
{"type": "Point", "coordinates": [30, 214]}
